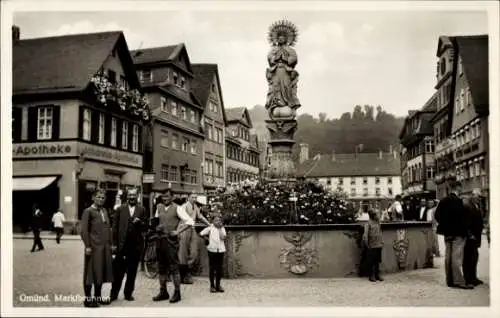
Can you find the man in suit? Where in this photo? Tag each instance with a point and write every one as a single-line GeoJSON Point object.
{"type": "Point", "coordinates": [451, 217]}
{"type": "Point", "coordinates": [473, 241]}
{"type": "Point", "coordinates": [422, 210]}
{"type": "Point", "coordinates": [188, 249]}
{"type": "Point", "coordinates": [128, 226]}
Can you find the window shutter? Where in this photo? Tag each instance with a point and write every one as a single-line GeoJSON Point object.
{"type": "Point", "coordinates": [56, 122]}
{"type": "Point", "coordinates": [94, 126]}
{"type": "Point", "coordinates": [118, 133]}
{"type": "Point", "coordinates": [130, 135]}
{"type": "Point", "coordinates": [107, 130]}
{"type": "Point", "coordinates": [32, 123]}
{"type": "Point", "coordinates": [80, 121]}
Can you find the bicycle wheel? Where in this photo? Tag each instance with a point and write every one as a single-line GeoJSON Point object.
{"type": "Point", "coordinates": [150, 262]}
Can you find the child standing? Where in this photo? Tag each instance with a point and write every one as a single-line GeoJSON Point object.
{"type": "Point", "coordinates": [216, 234]}
{"type": "Point", "coordinates": [373, 241]}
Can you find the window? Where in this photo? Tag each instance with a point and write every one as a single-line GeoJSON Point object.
{"type": "Point", "coordinates": [477, 167]}
{"type": "Point", "coordinates": [353, 181]}
{"type": "Point", "coordinates": [213, 88]}
{"type": "Point", "coordinates": [389, 180]}
{"type": "Point", "coordinates": [113, 132]}
{"type": "Point", "coordinates": [209, 132]}
{"type": "Point", "coordinates": [468, 97]}
{"type": "Point", "coordinates": [377, 180]}
{"type": "Point", "coordinates": [478, 129]}
{"type": "Point", "coordinates": [467, 134]}
{"type": "Point", "coordinates": [220, 170]}
{"type": "Point", "coordinates": [164, 173]}
{"type": "Point", "coordinates": [164, 139]}
{"type": "Point", "coordinates": [125, 135]}
{"type": "Point", "coordinates": [164, 105]}
{"type": "Point", "coordinates": [101, 128]}
{"type": "Point", "coordinates": [176, 78]}
{"type": "Point", "coordinates": [341, 181]}
{"type": "Point", "coordinates": [221, 136]}
{"type": "Point", "coordinates": [471, 170]}
{"type": "Point", "coordinates": [183, 113]}
{"type": "Point", "coordinates": [175, 141]}
{"type": "Point", "coordinates": [185, 144]}
{"type": "Point", "coordinates": [112, 76]}
{"type": "Point", "coordinates": [135, 137]}
{"type": "Point", "coordinates": [462, 99]}
{"type": "Point", "coordinates": [123, 82]}
{"type": "Point", "coordinates": [183, 82]}
{"type": "Point", "coordinates": [365, 180]}
{"type": "Point", "coordinates": [174, 108]}
{"type": "Point", "coordinates": [192, 116]}
{"type": "Point", "coordinates": [443, 66]}
{"type": "Point", "coordinates": [365, 192]}
{"type": "Point", "coordinates": [389, 191]}
{"type": "Point", "coordinates": [377, 192]}
{"type": "Point", "coordinates": [193, 146]}
{"type": "Point", "coordinates": [430, 172]}
{"type": "Point", "coordinates": [353, 192]}
{"type": "Point", "coordinates": [429, 146]}
{"type": "Point", "coordinates": [86, 124]}
{"type": "Point", "coordinates": [45, 118]}
{"type": "Point", "coordinates": [146, 75]}
{"type": "Point", "coordinates": [457, 106]}
{"type": "Point", "coordinates": [173, 173]}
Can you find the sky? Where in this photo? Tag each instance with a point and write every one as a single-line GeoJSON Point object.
{"type": "Point", "coordinates": [345, 58]}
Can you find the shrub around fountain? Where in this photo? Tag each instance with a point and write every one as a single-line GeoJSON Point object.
{"type": "Point", "coordinates": [281, 204]}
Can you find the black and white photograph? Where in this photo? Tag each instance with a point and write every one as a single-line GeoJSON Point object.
{"type": "Point", "coordinates": [237, 158]}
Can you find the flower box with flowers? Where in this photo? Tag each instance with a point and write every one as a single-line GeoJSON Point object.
{"type": "Point", "coordinates": [115, 94]}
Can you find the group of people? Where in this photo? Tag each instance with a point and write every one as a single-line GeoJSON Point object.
{"type": "Point", "coordinates": [114, 245]}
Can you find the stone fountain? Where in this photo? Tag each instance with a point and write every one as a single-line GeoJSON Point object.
{"type": "Point", "coordinates": [282, 101]}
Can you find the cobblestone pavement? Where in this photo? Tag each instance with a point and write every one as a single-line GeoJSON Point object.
{"type": "Point", "coordinates": [58, 270]}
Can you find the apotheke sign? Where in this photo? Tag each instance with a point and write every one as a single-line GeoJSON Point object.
{"type": "Point", "coordinates": [44, 150]}
{"type": "Point", "coordinates": [111, 155]}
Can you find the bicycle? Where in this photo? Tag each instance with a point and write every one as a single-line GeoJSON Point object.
{"type": "Point", "coordinates": [150, 257]}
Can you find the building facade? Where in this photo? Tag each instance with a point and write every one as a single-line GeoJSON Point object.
{"type": "Point", "coordinates": [417, 154]}
{"type": "Point", "coordinates": [470, 114]}
{"type": "Point", "coordinates": [207, 88]}
{"type": "Point", "coordinates": [442, 119]}
{"type": "Point", "coordinates": [174, 139]}
{"type": "Point", "coordinates": [72, 132]}
{"type": "Point", "coordinates": [371, 180]}
{"type": "Point", "coordinates": [242, 152]}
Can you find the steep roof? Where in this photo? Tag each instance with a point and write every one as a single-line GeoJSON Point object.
{"type": "Point", "coordinates": [164, 54]}
{"type": "Point", "coordinates": [65, 63]}
{"type": "Point", "coordinates": [473, 50]}
{"type": "Point", "coordinates": [202, 83]}
{"type": "Point", "coordinates": [237, 114]}
{"type": "Point", "coordinates": [351, 164]}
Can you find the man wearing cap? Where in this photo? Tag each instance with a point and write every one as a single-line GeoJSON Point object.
{"type": "Point", "coordinates": [169, 228]}
{"type": "Point", "coordinates": [188, 249]}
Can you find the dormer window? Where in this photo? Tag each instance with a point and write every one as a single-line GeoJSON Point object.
{"type": "Point", "coordinates": [213, 87]}
{"type": "Point", "coordinates": [146, 75]}
{"type": "Point", "coordinates": [112, 76]}
{"type": "Point", "coordinates": [183, 82]}
{"type": "Point", "coordinates": [176, 78]}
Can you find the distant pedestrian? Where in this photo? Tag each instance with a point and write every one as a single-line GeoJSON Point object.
{"type": "Point", "coordinates": [451, 217]}
{"type": "Point", "coordinates": [58, 221]}
{"type": "Point", "coordinates": [96, 236]}
{"type": "Point", "coordinates": [428, 216]}
{"type": "Point", "coordinates": [216, 248]}
{"type": "Point", "coordinates": [431, 216]}
{"type": "Point", "coordinates": [373, 241]}
{"type": "Point", "coordinates": [473, 241]}
{"type": "Point", "coordinates": [36, 227]}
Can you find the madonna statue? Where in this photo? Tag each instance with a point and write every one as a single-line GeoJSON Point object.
{"type": "Point", "coordinates": [282, 78]}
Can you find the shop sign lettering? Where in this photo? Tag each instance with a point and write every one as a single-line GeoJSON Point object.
{"type": "Point", "coordinates": [112, 156]}
{"type": "Point", "coordinates": [41, 149]}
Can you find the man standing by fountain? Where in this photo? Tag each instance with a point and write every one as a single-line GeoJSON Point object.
{"type": "Point", "coordinates": [188, 247]}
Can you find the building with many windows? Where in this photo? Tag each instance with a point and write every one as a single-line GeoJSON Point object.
{"type": "Point", "coordinates": [417, 153]}
{"type": "Point", "coordinates": [368, 179]}
{"type": "Point", "coordinates": [242, 150]}
{"type": "Point", "coordinates": [67, 139]}
{"type": "Point", "coordinates": [469, 126]}
{"type": "Point", "coordinates": [207, 88]}
{"type": "Point", "coordinates": [174, 140]}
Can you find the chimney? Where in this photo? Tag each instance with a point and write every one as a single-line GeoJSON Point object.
{"type": "Point", "coordinates": [16, 33]}
{"type": "Point", "coordinates": [333, 155]}
{"type": "Point", "coordinates": [304, 152]}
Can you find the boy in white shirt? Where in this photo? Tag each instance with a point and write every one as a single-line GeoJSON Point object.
{"type": "Point", "coordinates": [216, 248]}
{"type": "Point", "coordinates": [58, 221]}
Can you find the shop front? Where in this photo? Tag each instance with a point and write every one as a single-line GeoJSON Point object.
{"type": "Point", "coordinates": [63, 175]}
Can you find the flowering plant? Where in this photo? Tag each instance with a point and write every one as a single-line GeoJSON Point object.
{"type": "Point", "coordinates": [274, 204]}
{"type": "Point", "coordinates": [130, 100]}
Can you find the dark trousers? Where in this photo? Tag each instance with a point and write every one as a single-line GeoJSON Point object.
{"type": "Point", "coordinates": [374, 257]}
{"type": "Point", "coordinates": [215, 261]}
{"type": "Point", "coordinates": [37, 241]}
{"type": "Point", "coordinates": [125, 263]}
{"type": "Point", "coordinates": [454, 256]}
{"type": "Point", "coordinates": [59, 233]}
{"type": "Point", "coordinates": [471, 257]}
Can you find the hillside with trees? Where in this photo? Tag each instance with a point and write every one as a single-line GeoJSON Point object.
{"type": "Point", "coordinates": [369, 126]}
